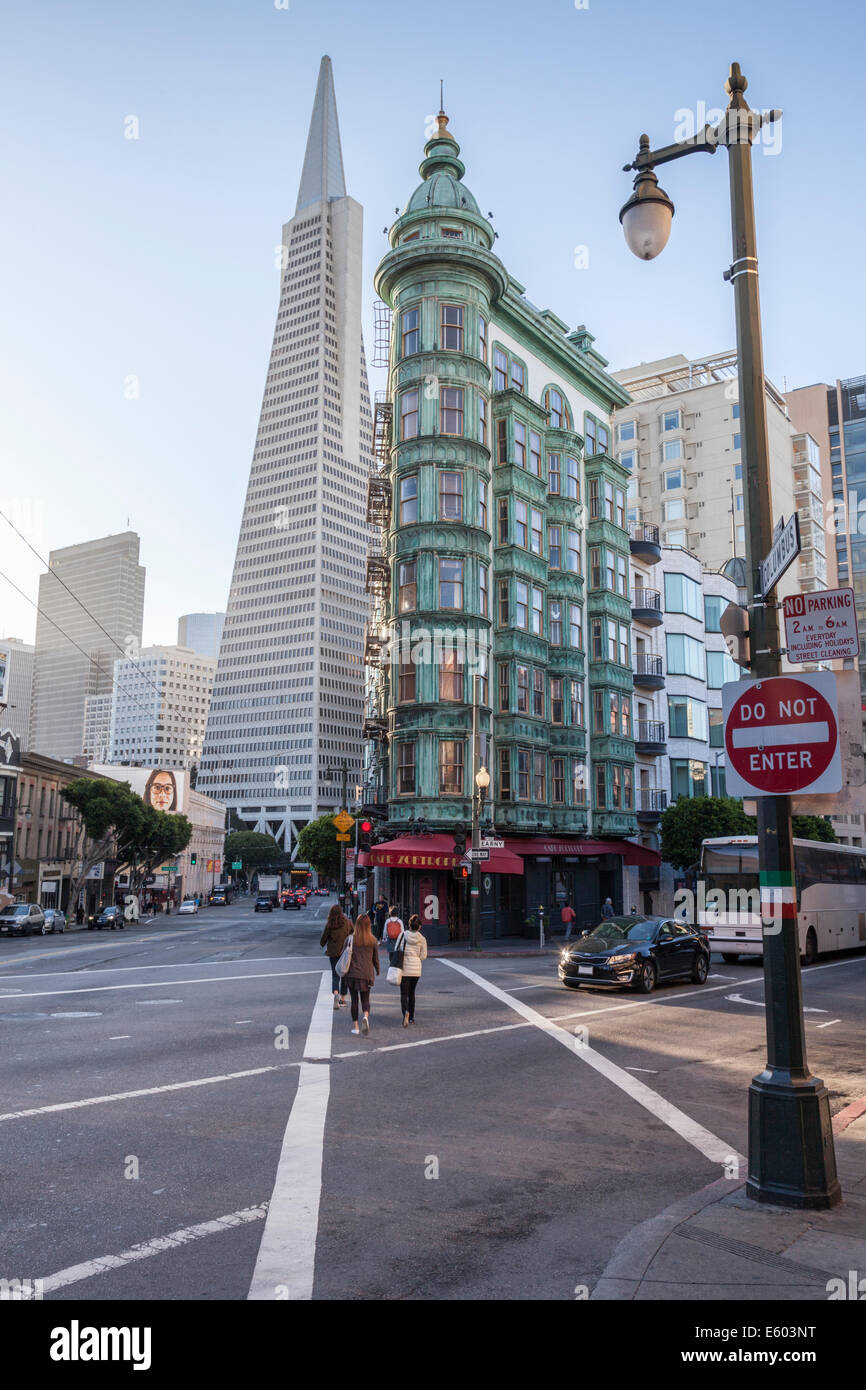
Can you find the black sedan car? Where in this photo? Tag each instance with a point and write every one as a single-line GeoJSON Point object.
{"type": "Point", "coordinates": [264, 903]}
{"type": "Point", "coordinates": [112, 918]}
{"type": "Point", "coordinates": [637, 951]}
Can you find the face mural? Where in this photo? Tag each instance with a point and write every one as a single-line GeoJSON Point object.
{"type": "Point", "coordinates": [161, 791]}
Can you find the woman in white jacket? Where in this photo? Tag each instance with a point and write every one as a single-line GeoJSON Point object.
{"type": "Point", "coordinates": [415, 951]}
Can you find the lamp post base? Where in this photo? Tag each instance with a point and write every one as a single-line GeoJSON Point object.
{"type": "Point", "coordinates": [792, 1162]}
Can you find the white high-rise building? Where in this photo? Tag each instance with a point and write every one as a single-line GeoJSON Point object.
{"type": "Point", "coordinates": [159, 707]}
{"type": "Point", "coordinates": [17, 657]}
{"type": "Point", "coordinates": [288, 698]}
{"type": "Point", "coordinates": [97, 728]}
{"type": "Point", "coordinates": [91, 604]}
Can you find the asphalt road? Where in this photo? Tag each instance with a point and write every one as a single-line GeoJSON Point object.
{"type": "Point", "coordinates": [184, 1116]}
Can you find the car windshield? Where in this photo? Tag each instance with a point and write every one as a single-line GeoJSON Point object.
{"type": "Point", "coordinates": [619, 929]}
{"type": "Point", "coordinates": [23, 910]}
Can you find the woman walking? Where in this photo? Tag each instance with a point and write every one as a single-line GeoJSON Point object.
{"type": "Point", "coordinates": [392, 929]}
{"type": "Point", "coordinates": [363, 969]}
{"type": "Point", "coordinates": [337, 929]}
{"type": "Point", "coordinates": [415, 951]}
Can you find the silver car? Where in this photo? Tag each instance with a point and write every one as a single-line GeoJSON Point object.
{"type": "Point", "coordinates": [22, 919]}
{"type": "Point", "coordinates": [55, 920]}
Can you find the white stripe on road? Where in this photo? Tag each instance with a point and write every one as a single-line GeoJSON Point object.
{"type": "Point", "coordinates": [426, 1042]}
{"type": "Point", "coordinates": [147, 1091]}
{"type": "Point", "coordinates": [829, 1024]}
{"type": "Point", "coordinates": [73, 1274]}
{"type": "Point", "coordinates": [702, 1139]}
{"type": "Point", "coordinates": [175, 965]}
{"type": "Point", "coordinates": [286, 1261]}
{"type": "Point", "coordinates": [155, 984]}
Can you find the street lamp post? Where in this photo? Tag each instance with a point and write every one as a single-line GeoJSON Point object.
{"type": "Point", "coordinates": [791, 1157]}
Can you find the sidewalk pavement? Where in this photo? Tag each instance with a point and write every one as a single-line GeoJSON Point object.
{"type": "Point", "coordinates": [719, 1244]}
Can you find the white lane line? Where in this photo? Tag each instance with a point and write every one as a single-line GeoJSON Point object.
{"type": "Point", "coordinates": [147, 1091]}
{"type": "Point", "coordinates": [286, 1261]}
{"type": "Point", "coordinates": [73, 1274]}
{"type": "Point", "coordinates": [119, 1037]}
{"type": "Point", "coordinates": [702, 1139]}
{"type": "Point", "coordinates": [242, 1020]}
{"type": "Point", "coordinates": [829, 1024]}
{"type": "Point", "coordinates": [427, 1042]}
{"type": "Point", "coordinates": [759, 1004]}
{"type": "Point", "coordinates": [516, 989]}
{"type": "Point", "coordinates": [653, 1071]}
{"type": "Point", "coordinates": [160, 984]}
{"type": "Point", "coordinates": [175, 965]}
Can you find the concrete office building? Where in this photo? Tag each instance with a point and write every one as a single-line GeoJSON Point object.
{"type": "Point", "coordinates": [160, 707]}
{"type": "Point", "coordinates": [287, 708]}
{"type": "Point", "coordinates": [17, 658]}
{"type": "Point", "coordinates": [97, 729]}
{"type": "Point", "coordinates": [91, 603]}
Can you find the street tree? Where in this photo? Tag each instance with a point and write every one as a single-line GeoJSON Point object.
{"type": "Point", "coordinates": [118, 825]}
{"type": "Point", "coordinates": [253, 849]}
{"type": "Point", "coordinates": [691, 819]}
{"type": "Point", "coordinates": [317, 845]}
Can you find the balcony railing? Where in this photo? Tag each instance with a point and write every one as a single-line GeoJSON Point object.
{"type": "Point", "coordinates": [643, 531]}
{"type": "Point", "coordinates": [648, 666]}
{"type": "Point", "coordinates": [650, 801]}
{"type": "Point", "coordinates": [647, 598]}
{"type": "Point", "coordinates": [648, 731]}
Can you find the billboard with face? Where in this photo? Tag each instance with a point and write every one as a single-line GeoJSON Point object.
{"type": "Point", "coordinates": [162, 788]}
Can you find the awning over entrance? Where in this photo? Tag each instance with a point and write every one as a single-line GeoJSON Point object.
{"type": "Point", "coordinates": [631, 853]}
{"type": "Point", "coordinates": [435, 852]}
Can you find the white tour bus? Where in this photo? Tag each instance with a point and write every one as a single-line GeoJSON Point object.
{"type": "Point", "coordinates": [831, 896]}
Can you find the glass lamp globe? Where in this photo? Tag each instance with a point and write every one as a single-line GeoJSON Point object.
{"type": "Point", "coordinates": [482, 778]}
{"type": "Point", "coordinates": [646, 218]}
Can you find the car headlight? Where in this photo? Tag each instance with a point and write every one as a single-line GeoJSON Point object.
{"type": "Point", "coordinates": [627, 959]}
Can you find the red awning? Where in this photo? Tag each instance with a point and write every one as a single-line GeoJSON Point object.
{"type": "Point", "coordinates": [631, 853]}
{"type": "Point", "coordinates": [437, 852]}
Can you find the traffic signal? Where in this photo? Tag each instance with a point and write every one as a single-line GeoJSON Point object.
{"type": "Point", "coordinates": [192, 860]}
{"type": "Point", "coordinates": [365, 830]}
{"type": "Point", "coordinates": [461, 873]}
{"type": "Point", "coordinates": [460, 840]}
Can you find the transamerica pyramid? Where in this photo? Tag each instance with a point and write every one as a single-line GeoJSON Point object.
{"type": "Point", "coordinates": [287, 703]}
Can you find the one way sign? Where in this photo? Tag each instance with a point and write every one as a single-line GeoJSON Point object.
{"type": "Point", "coordinates": [782, 736]}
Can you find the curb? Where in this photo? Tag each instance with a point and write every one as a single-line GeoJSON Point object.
{"type": "Point", "coordinates": [845, 1117]}
{"type": "Point", "coordinates": [625, 1270]}
{"type": "Point", "coordinates": [490, 955]}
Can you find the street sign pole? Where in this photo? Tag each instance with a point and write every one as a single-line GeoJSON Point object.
{"type": "Point", "coordinates": [791, 1157]}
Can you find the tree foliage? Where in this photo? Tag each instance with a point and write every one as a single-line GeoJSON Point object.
{"type": "Point", "coordinates": [253, 849]}
{"type": "Point", "coordinates": [691, 819]}
{"type": "Point", "coordinates": [317, 844]}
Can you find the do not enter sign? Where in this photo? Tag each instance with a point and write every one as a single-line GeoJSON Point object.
{"type": "Point", "coordinates": [782, 736]}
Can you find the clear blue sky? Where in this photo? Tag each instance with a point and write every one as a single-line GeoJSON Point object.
{"type": "Point", "coordinates": [155, 257]}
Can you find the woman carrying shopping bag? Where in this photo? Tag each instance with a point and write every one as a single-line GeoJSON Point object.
{"type": "Point", "coordinates": [363, 969]}
{"type": "Point", "coordinates": [414, 952]}
{"type": "Point", "coordinates": [337, 930]}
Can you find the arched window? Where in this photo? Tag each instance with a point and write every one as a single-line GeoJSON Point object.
{"type": "Point", "coordinates": [558, 417]}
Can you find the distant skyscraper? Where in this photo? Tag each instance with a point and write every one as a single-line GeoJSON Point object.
{"type": "Point", "coordinates": [288, 697]}
{"type": "Point", "coordinates": [76, 646]}
{"type": "Point", "coordinates": [97, 729]}
{"type": "Point", "coordinates": [159, 709]}
{"type": "Point", "coordinates": [201, 632]}
{"type": "Point", "coordinates": [19, 658]}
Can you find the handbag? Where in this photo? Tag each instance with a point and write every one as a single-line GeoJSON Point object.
{"type": "Point", "coordinates": [345, 959]}
{"type": "Point", "coordinates": [395, 957]}
{"type": "Point", "coordinates": [395, 975]}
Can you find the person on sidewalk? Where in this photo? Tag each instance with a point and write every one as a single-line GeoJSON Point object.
{"type": "Point", "coordinates": [337, 929]}
{"type": "Point", "coordinates": [607, 909]}
{"type": "Point", "coordinates": [568, 916]}
{"type": "Point", "coordinates": [380, 915]}
{"type": "Point", "coordinates": [414, 953]}
{"type": "Point", "coordinates": [392, 929]}
{"type": "Point", "coordinates": [363, 969]}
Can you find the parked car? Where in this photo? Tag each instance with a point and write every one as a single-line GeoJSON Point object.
{"type": "Point", "coordinates": [55, 920]}
{"type": "Point", "coordinates": [264, 903]}
{"type": "Point", "coordinates": [22, 919]}
{"type": "Point", "coordinates": [290, 899]}
{"type": "Point", "coordinates": [188, 905]}
{"type": "Point", "coordinates": [110, 917]}
{"type": "Point", "coordinates": [636, 951]}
